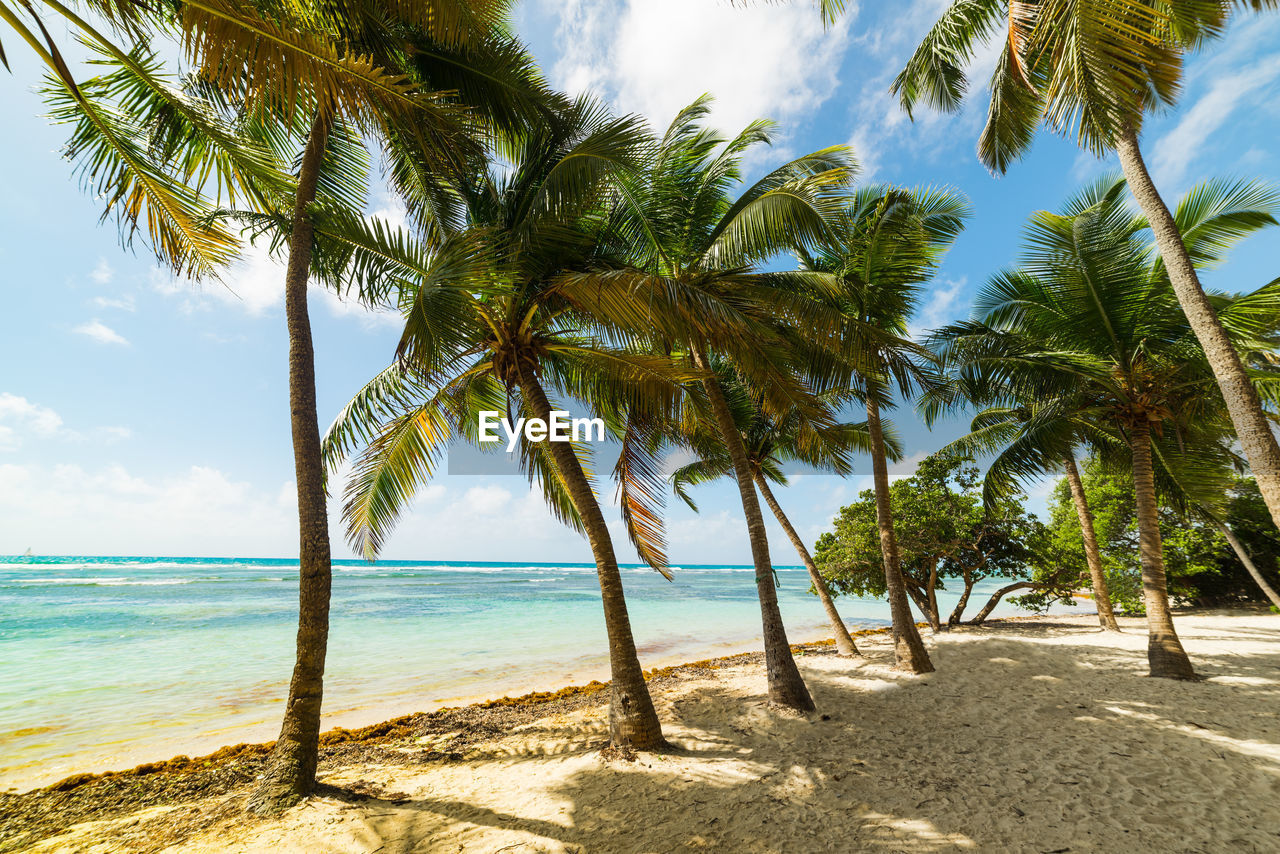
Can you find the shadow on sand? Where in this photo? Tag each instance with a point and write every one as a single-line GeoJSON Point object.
{"type": "Point", "coordinates": [1030, 737]}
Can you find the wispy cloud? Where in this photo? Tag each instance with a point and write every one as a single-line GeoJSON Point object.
{"type": "Point", "coordinates": [111, 435]}
{"type": "Point", "coordinates": [22, 419]}
{"type": "Point", "coordinates": [1175, 152]}
{"type": "Point", "coordinates": [100, 332]}
{"type": "Point", "coordinates": [939, 305]}
{"type": "Point", "coordinates": [102, 274]}
{"type": "Point", "coordinates": [124, 303]}
{"type": "Point", "coordinates": [884, 137]}
{"type": "Point", "coordinates": [255, 284]}
{"type": "Point", "coordinates": [19, 415]}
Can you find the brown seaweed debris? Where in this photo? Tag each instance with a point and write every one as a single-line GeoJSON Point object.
{"type": "Point", "coordinates": [227, 773]}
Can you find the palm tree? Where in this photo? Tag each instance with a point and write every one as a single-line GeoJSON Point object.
{"type": "Point", "coordinates": [1030, 438]}
{"type": "Point", "coordinates": [275, 59]}
{"type": "Point", "coordinates": [432, 133]}
{"type": "Point", "coordinates": [772, 443]}
{"type": "Point", "coordinates": [485, 330]}
{"type": "Point", "coordinates": [316, 85]}
{"type": "Point", "coordinates": [1090, 324]}
{"type": "Point", "coordinates": [888, 245]}
{"type": "Point", "coordinates": [1197, 481]}
{"type": "Point", "coordinates": [1093, 556]}
{"type": "Point", "coordinates": [689, 282]}
{"type": "Point", "coordinates": [1094, 70]}
{"type": "Point", "coordinates": [1243, 554]}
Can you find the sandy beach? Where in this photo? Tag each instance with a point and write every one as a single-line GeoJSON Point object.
{"type": "Point", "coordinates": [1034, 735]}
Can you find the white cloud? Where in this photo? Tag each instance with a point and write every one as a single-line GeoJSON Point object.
{"type": "Point", "coordinates": [111, 435]}
{"type": "Point", "coordinates": [163, 282]}
{"type": "Point", "coordinates": [485, 500]}
{"type": "Point", "coordinates": [940, 302]}
{"type": "Point", "coordinates": [124, 303]}
{"type": "Point", "coordinates": [867, 152]}
{"type": "Point", "coordinates": [1088, 166]}
{"type": "Point", "coordinates": [71, 510]}
{"type": "Point", "coordinates": [21, 419]}
{"type": "Point", "coordinates": [1175, 152]}
{"type": "Point", "coordinates": [906, 466]}
{"type": "Point", "coordinates": [41, 420]}
{"type": "Point", "coordinates": [692, 535]}
{"type": "Point", "coordinates": [1039, 493]}
{"type": "Point", "coordinates": [656, 56]}
{"type": "Point", "coordinates": [100, 332]}
{"type": "Point", "coordinates": [102, 274]}
{"type": "Point", "coordinates": [884, 137]}
{"type": "Point", "coordinates": [255, 284]}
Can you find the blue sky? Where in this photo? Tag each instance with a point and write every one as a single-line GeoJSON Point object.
{"type": "Point", "coordinates": [139, 415]}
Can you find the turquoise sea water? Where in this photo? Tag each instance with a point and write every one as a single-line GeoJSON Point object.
{"type": "Point", "coordinates": [110, 661]}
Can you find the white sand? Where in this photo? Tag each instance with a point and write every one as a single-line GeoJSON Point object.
{"type": "Point", "coordinates": [1032, 736]}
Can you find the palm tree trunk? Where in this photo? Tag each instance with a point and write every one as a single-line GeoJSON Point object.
{"type": "Point", "coordinates": [1165, 654]}
{"type": "Point", "coordinates": [786, 687]}
{"type": "Point", "coordinates": [908, 648]}
{"type": "Point", "coordinates": [291, 770]}
{"type": "Point", "coordinates": [844, 643]}
{"type": "Point", "coordinates": [1101, 595]}
{"type": "Point", "coordinates": [1238, 548]}
{"type": "Point", "coordinates": [633, 722]}
{"type": "Point", "coordinates": [1245, 408]}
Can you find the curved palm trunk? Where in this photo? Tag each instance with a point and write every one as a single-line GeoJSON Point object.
{"type": "Point", "coordinates": [908, 647]}
{"type": "Point", "coordinates": [291, 770]}
{"type": "Point", "coordinates": [1165, 654]}
{"type": "Point", "coordinates": [633, 722]}
{"type": "Point", "coordinates": [844, 643]}
{"type": "Point", "coordinates": [786, 687]}
{"type": "Point", "coordinates": [1101, 595]}
{"type": "Point", "coordinates": [1242, 401]}
{"type": "Point", "coordinates": [1250, 567]}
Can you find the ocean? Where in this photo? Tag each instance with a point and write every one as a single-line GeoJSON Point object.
{"type": "Point", "coordinates": [106, 662]}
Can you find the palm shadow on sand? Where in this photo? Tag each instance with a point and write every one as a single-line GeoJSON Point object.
{"type": "Point", "coordinates": [1017, 743]}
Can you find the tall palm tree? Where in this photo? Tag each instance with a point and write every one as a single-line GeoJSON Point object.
{"type": "Point", "coordinates": [1095, 70]}
{"type": "Point", "coordinates": [444, 39]}
{"type": "Point", "coordinates": [304, 91]}
{"type": "Point", "coordinates": [1030, 438]}
{"type": "Point", "coordinates": [1243, 555]}
{"type": "Point", "coordinates": [888, 245]}
{"type": "Point", "coordinates": [772, 443]}
{"type": "Point", "coordinates": [690, 283]}
{"type": "Point", "coordinates": [1093, 556]}
{"type": "Point", "coordinates": [1089, 323]}
{"type": "Point", "coordinates": [274, 57]}
{"type": "Point", "coordinates": [486, 329]}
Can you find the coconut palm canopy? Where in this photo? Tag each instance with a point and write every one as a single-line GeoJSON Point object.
{"type": "Point", "coordinates": [1086, 339]}
{"type": "Point", "coordinates": [694, 290]}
